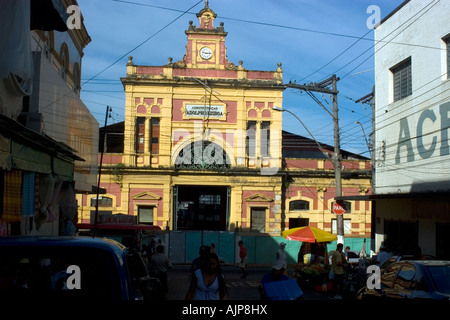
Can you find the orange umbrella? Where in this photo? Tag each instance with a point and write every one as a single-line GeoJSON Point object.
{"type": "Point", "coordinates": [308, 234]}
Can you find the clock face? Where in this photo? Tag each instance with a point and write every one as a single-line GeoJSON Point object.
{"type": "Point", "coordinates": [205, 53]}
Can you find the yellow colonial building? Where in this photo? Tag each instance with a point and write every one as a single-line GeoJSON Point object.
{"type": "Point", "coordinates": [201, 148]}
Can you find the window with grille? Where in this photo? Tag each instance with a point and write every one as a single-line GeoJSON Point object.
{"type": "Point", "coordinates": [102, 202]}
{"type": "Point", "coordinates": [251, 139]}
{"type": "Point", "coordinates": [402, 80]}
{"type": "Point", "coordinates": [299, 205]}
{"type": "Point", "coordinates": [154, 147]}
{"type": "Point", "coordinates": [265, 138]}
{"type": "Point", "coordinates": [140, 133]}
{"type": "Point", "coordinates": [145, 214]}
{"type": "Point", "coordinates": [347, 226]}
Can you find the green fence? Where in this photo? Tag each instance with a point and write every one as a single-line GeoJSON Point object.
{"type": "Point", "coordinates": [261, 249]}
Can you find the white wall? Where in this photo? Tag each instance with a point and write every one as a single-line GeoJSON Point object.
{"type": "Point", "coordinates": [415, 31]}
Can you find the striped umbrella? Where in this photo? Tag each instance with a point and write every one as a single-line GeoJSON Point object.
{"type": "Point", "coordinates": [308, 234]}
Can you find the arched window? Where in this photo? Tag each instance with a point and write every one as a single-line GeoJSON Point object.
{"type": "Point", "coordinates": [46, 46]}
{"type": "Point", "coordinates": [102, 201]}
{"type": "Point", "coordinates": [64, 60]}
{"type": "Point", "coordinates": [202, 155]}
{"type": "Point", "coordinates": [76, 78]}
{"type": "Point", "coordinates": [299, 205]}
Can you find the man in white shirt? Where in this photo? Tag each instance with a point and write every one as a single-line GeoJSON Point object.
{"type": "Point", "coordinates": [281, 257]}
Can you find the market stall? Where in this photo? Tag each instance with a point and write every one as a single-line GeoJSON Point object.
{"type": "Point", "coordinates": [312, 266]}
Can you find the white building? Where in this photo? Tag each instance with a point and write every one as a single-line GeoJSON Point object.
{"type": "Point", "coordinates": [55, 107]}
{"type": "Point", "coordinates": [412, 121]}
{"type": "Point", "coordinates": [48, 137]}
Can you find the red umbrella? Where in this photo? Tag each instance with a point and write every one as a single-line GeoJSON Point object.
{"type": "Point", "coordinates": [308, 234]}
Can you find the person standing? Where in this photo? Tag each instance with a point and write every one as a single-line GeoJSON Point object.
{"type": "Point", "coordinates": [281, 257]}
{"type": "Point", "coordinates": [160, 264]}
{"type": "Point", "coordinates": [213, 248]}
{"type": "Point", "coordinates": [347, 250]}
{"type": "Point", "coordinates": [337, 265]}
{"type": "Point", "coordinates": [243, 256]}
{"type": "Point", "coordinates": [208, 282]}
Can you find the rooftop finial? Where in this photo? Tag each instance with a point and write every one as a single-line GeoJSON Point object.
{"type": "Point", "coordinates": [206, 4]}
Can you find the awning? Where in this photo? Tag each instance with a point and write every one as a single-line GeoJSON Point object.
{"type": "Point", "coordinates": [5, 153]}
{"type": "Point", "coordinates": [27, 158]}
{"type": "Point", "coordinates": [25, 149]}
{"type": "Point", "coordinates": [409, 195]}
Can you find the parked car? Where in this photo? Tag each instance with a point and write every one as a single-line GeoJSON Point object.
{"type": "Point", "coordinates": [402, 257]}
{"type": "Point", "coordinates": [413, 279]}
{"type": "Point", "coordinates": [72, 267]}
{"type": "Point", "coordinates": [393, 259]}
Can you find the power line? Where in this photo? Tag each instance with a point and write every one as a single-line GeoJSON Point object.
{"type": "Point", "coordinates": [277, 25]}
{"type": "Point", "coordinates": [130, 51]}
{"type": "Point", "coordinates": [421, 12]}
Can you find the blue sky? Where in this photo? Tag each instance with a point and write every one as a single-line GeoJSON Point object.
{"type": "Point", "coordinates": [312, 40]}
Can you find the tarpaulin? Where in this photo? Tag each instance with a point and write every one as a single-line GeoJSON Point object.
{"type": "Point", "coordinates": [28, 188]}
{"type": "Point", "coordinates": [12, 196]}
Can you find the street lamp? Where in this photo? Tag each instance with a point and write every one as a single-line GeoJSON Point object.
{"type": "Point", "coordinates": [317, 142]}
{"type": "Point", "coordinates": [364, 133]}
{"type": "Point", "coordinates": [336, 161]}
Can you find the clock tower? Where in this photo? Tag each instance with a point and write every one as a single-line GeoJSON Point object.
{"type": "Point", "coordinates": [206, 43]}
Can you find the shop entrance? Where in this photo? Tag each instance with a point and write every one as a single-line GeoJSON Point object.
{"type": "Point", "coordinates": [402, 236]}
{"type": "Point", "coordinates": [201, 207]}
{"type": "Point", "coordinates": [442, 241]}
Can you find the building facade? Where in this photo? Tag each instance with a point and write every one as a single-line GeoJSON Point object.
{"type": "Point", "coordinates": [201, 148]}
{"type": "Point", "coordinates": [48, 141]}
{"type": "Point", "coordinates": [55, 107]}
{"type": "Point", "coordinates": [412, 120]}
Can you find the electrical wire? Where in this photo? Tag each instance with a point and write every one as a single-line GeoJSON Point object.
{"type": "Point", "coordinates": [129, 52]}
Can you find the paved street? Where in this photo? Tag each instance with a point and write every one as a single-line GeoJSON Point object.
{"type": "Point", "coordinates": [238, 289]}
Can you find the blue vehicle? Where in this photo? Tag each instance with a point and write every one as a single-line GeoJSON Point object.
{"type": "Point", "coordinates": [412, 279]}
{"type": "Point", "coordinates": [64, 268]}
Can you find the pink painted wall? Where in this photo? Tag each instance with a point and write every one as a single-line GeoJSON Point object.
{"type": "Point", "coordinates": [179, 72]}
{"type": "Point", "coordinates": [245, 194]}
{"type": "Point", "coordinates": [149, 70]}
{"type": "Point", "coordinates": [135, 191]}
{"type": "Point", "coordinates": [298, 163]}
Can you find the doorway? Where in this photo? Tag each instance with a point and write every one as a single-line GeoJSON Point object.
{"type": "Point", "coordinates": [258, 219]}
{"type": "Point", "coordinates": [201, 207]}
{"type": "Point", "coordinates": [442, 241]}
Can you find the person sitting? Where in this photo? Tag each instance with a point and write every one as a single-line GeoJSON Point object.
{"type": "Point", "coordinates": [275, 275]}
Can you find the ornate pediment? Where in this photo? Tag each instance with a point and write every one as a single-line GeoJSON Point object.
{"type": "Point", "coordinates": [146, 195]}
{"type": "Point", "coordinates": [258, 197]}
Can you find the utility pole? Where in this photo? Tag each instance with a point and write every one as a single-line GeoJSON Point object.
{"type": "Point", "coordinates": [337, 161]}
{"type": "Point", "coordinates": [323, 87]}
{"type": "Point", "coordinates": [370, 100]}
{"type": "Point", "coordinates": [104, 143]}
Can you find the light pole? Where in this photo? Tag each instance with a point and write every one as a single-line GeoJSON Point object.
{"type": "Point", "coordinates": [336, 159]}
{"type": "Point", "coordinates": [365, 137]}
{"type": "Point", "coordinates": [322, 87]}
